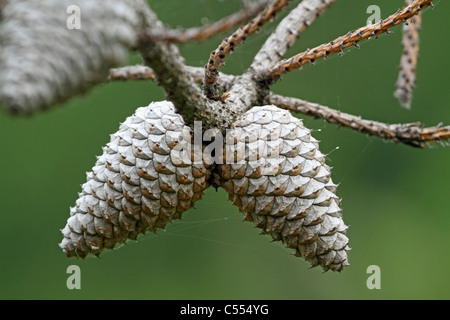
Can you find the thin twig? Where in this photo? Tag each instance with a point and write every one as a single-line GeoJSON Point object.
{"type": "Point", "coordinates": [205, 32]}
{"type": "Point", "coordinates": [408, 63]}
{"type": "Point", "coordinates": [412, 134]}
{"type": "Point", "coordinates": [137, 72]}
{"type": "Point", "coordinates": [350, 39]}
{"type": "Point", "coordinates": [228, 45]}
{"type": "Point", "coordinates": [140, 72]}
{"type": "Point", "coordinates": [287, 31]}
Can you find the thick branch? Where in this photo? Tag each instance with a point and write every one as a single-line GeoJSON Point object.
{"type": "Point", "coordinates": [228, 45]}
{"type": "Point", "coordinates": [350, 39]}
{"type": "Point", "coordinates": [412, 134]}
{"type": "Point", "coordinates": [171, 72]}
{"type": "Point", "coordinates": [208, 31]}
{"type": "Point", "coordinates": [408, 62]}
{"type": "Point", "coordinates": [140, 72]}
{"type": "Point", "coordinates": [246, 92]}
{"type": "Point", "coordinates": [288, 31]}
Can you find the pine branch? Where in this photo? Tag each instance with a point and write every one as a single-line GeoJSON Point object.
{"type": "Point", "coordinates": [229, 44]}
{"type": "Point", "coordinates": [205, 32]}
{"type": "Point", "coordinates": [412, 134]}
{"type": "Point", "coordinates": [140, 72]}
{"type": "Point", "coordinates": [287, 31]}
{"type": "Point", "coordinates": [408, 63]}
{"type": "Point", "coordinates": [181, 89]}
{"type": "Point", "coordinates": [350, 39]}
{"type": "Point", "coordinates": [171, 73]}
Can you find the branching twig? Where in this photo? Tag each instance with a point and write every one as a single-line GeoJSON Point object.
{"type": "Point", "coordinates": [350, 39]}
{"type": "Point", "coordinates": [412, 134]}
{"type": "Point", "coordinates": [288, 31]}
{"type": "Point", "coordinates": [140, 72]}
{"type": "Point", "coordinates": [228, 45]}
{"type": "Point", "coordinates": [210, 30]}
{"type": "Point", "coordinates": [408, 63]}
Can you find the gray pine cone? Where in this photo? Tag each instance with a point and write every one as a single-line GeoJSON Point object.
{"type": "Point", "coordinates": [144, 179]}
{"type": "Point", "coordinates": [280, 182]}
{"type": "Point", "coordinates": [42, 62]}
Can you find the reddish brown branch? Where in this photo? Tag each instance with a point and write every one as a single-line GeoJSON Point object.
{"type": "Point", "coordinates": [205, 32]}
{"type": "Point", "coordinates": [228, 45]}
{"type": "Point", "coordinates": [408, 63]}
{"type": "Point", "coordinates": [350, 39]}
{"type": "Point", "coordinates": [412, 134]}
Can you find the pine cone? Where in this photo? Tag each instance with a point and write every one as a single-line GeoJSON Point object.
{"type": "Point", "coordinates": [42, 62]}
{"type": "Point", "coordinates": [280, 182]}
{"type": "Point", "coordinates": [144, 179]}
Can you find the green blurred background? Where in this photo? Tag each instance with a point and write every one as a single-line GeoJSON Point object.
{"type": "Point", "coordinates": [395, 198]}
